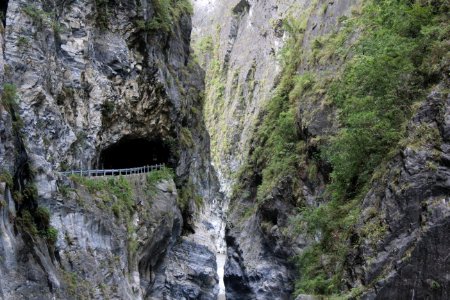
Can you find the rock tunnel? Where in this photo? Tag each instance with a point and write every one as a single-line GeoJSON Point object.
{"type": "Point", "coordinates": [132, 152]}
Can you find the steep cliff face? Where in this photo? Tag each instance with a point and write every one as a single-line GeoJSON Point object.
{"type": "Point", "coordinates": [300, 151]}
{"type": "Point", "coordinates": [237, 42]}
{"type": "Point", "coordinates": [329, 134]}
{"type": "Point", "coordinates": [240, 44]}
{"type": "Point", "coordinates": [408, 257]}
{"type": "Point", "coordinates": [79, 79]}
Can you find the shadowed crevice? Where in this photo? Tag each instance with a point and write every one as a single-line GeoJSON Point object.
{"type": "Point", "coordinates": [3, 9]}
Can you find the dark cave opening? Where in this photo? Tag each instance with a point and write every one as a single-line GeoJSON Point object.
{"type": "Point", "coordinates": [3, 9]}
{"type": "Point", "coordinates": [134, 152]}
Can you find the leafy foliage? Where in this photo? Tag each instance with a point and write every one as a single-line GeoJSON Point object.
{"type": "Point", "coordinates": [103, 15]}
{"type": "Point", "coordinates": [7, 178]}
{"type": "Point", "coordinates": [166, 14]}
{"type": "Point", "coordinates": [9, 96]}
{"type": "Point", "coordinates": [186, 137]}
{"type": "Point", "coordinates": [377, 89]}
{"type": "Point", "coordinates": [42, 217]}
{"type": "Point", "coordinates": [188, 193]}
{"type": "Point", "coordinates": [387, 73]}
{"type": "Point", "coordinates": [118, 187]}
{"type": "Point", "coordinates": [158, 175]}
{"type": "Point", "coordinates": [26, 221]}
{"type": "Point", "coordinates": [37, 223]}
{"type": "Point", "coordinates": [38, 16]}
{"type": "Point", "coordinates": [399, 52]}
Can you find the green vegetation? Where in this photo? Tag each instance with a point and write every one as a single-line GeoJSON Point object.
{"type": "Point", "coordinates": [9, 101]}
{"type": "Point", "coordinates": [186, 138]}
{"type": "Point", "coordinates": [42, 220]}
{"type": "Point", "coordinates": [26, 221]}
{"type": "Point", "coordinates": [163, 174]}
{"type": "Point", "coordinates": [435, 285]}
{"type": "Point", "coordinates": [207, 50]}
{"type": "Point", "coordinates": [9, 96]}
{"type": "Point", "coordinates": [166, 14]}
{"type": "Point", "coordinates": [202, 49]}
{"type": "Point", "coordinates": [37, 223]}
{"type": "Point", "coordinates": [30, 191]}
{"type": "Point", "coordinates": [65, 190]}
{"type": "Point", "coordinates": [34, 221]}
{"type": "Point", "coordinates": [102, 16]}
{"type": "Point", "coordinates": [108, 108]}
{"type": "Point", "coordinates": [18, 197]}
{"type": "Point", "coordinates": [279, 150]}
{"type": "Point", "coordinates": [158, 175]}
{"type": "Point", "coordinates": [22, 42]}
{"type": "Point", "coordinates": [51, 234]}
{"type": "Point", "coordinates": [7, 178]}
{"type": "Point", "coordinates": [42, 18]}
{"type": "Point", "coordinates": [71, 279]}
{"type": "Point", "coordinates": [388, 72]}
{"type": "Point", "coordinates": [42, 217]}
{"type": "Point", "coordinates": [107, 189]}
{"type": "Point", "coordinates": [188, 193]}
{"type": "Point", "coordinates": [397, 56]}
{"type": "Point", "coordinates": [38, 16]}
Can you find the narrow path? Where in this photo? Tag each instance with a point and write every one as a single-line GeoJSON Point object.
{"type": "Point", "coordinates": [114, 172]}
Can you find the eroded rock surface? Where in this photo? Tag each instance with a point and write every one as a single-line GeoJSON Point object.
{"type": "Point", "coordinates": [88, 75]}
{"type": "Point", "coordinates": [406, 243]}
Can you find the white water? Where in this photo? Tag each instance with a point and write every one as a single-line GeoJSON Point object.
{"type": "Point", "coordinates": [221, 259]}
{"type": "Point", "coordinates": [221, 253]}
{"type": "Point", "coordinates": [225, 188]}
{"type": "Point", "coordinates": [210, 232]}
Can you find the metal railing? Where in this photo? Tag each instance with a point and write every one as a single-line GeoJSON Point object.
{"type": "Point", "coordinates": [114, 172]}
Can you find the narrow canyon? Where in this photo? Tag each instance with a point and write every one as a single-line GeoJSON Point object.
{"type": "Point", "coordinates": [224, 149]}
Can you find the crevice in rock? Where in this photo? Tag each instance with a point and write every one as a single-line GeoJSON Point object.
{"type": "Point", "coordinates": [235, 278]}
{"type": "Point", "coordinates": [242, 7]}
{"type": "Point", "coordinates": [3, 10]}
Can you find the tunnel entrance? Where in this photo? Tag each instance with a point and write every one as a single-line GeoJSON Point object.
{"type": "Point", "coordinates": [134, 152]}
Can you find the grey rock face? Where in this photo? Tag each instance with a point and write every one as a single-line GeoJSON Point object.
{"type": "Point", "coordinates": [175, 280]}
{"type": "Point", "coordinates": [99, 247]}
{"type": "Point", "coordinates": [247, 37]}
{"type": "Point", "coordinates": [84, 86]}
{"type": "Point", "coordinates": [258, 263]}
{"type": "Point", "coordinates": [6, 134]}
{"type": "Point", "coordinates": [408, 258]}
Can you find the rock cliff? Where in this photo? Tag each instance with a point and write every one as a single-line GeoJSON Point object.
{"type": "Point", "coordinates": [273, 112]}
{"type": "Point", "coordinates": [78, 79]}
{"type": "Point", "coordinates": [305, 144]}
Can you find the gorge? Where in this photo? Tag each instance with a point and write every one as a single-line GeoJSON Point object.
{"type": "Point", "coordinates": [306, 146]}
